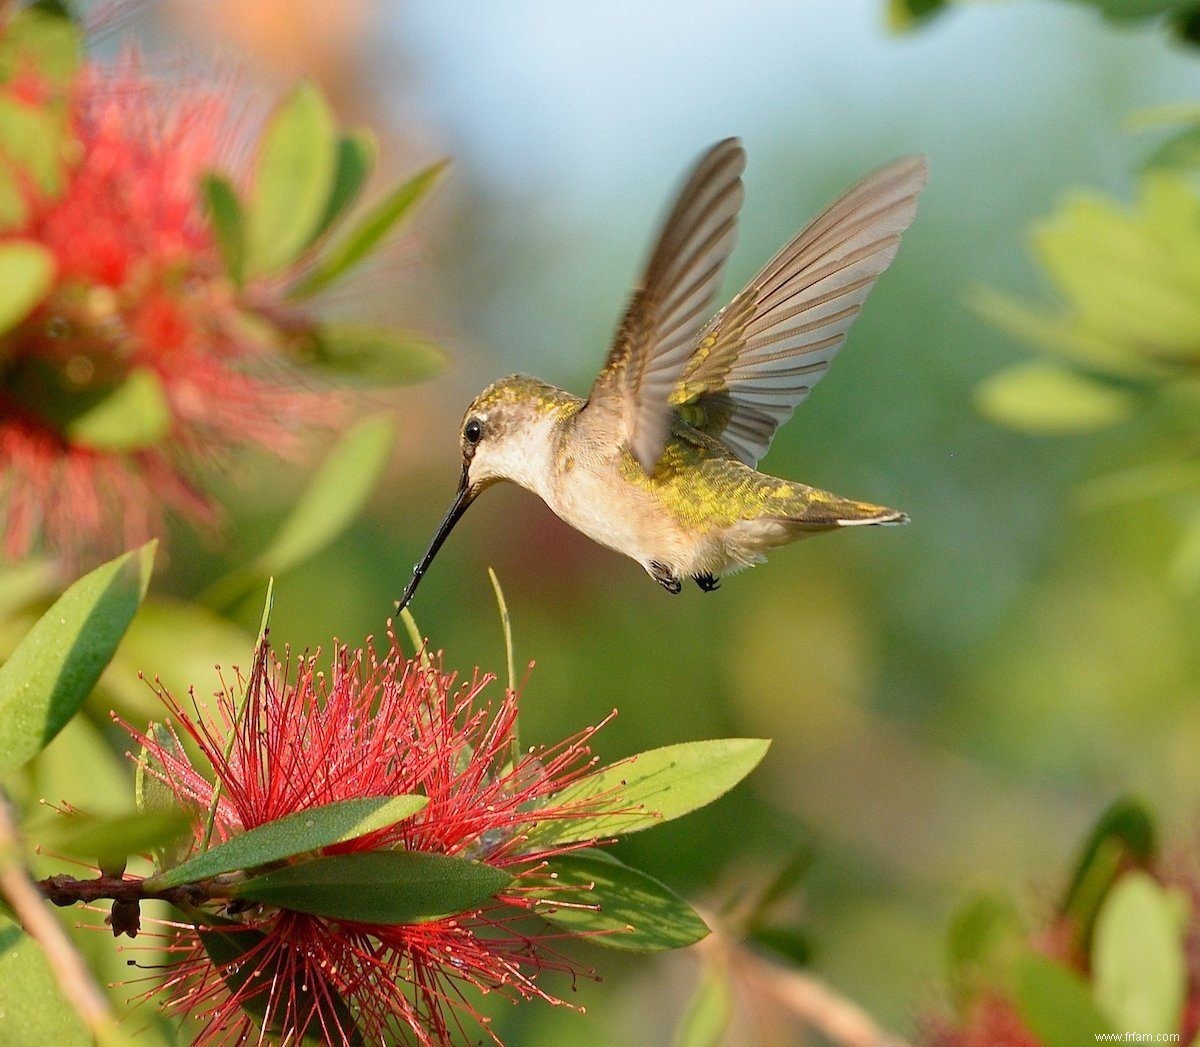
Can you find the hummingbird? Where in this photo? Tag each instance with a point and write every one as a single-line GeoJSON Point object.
{"type": "Point", "coordinates": [660, 461]}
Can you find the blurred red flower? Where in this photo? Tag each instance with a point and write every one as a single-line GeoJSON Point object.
{"type": "Point", "coordinates": [372, 726]}
{"type": "Point", "coordinates": [138, 288]}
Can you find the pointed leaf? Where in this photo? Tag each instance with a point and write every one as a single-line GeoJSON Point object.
{"type": "Point", "coordinates": [132, 415]}
{"type": "Point", "coordinates": [705, 1023]}
{"type": "Point", "coordinates": [1138, 962]}
{"type": "Point", "coordinates": [356, 153]}
{"type": "Point", "coordinates": [296, 833]}
{"type": "Point", "coordinates": [34, 1010]}
{"type": "Point", "coordinates": [44, 39]}
{"type": "Point", "coordinates": [26, 273]}
{"type": "Point", "coordinates": [908, 14]}
{"type": "Point", "coordinates": [293, 181]}
{"type": "Point", "coordinates": [985, 938]}
{"type": "Point", "coordinates": [369, 233]}
{"type": "Point", "coordinates": [1047, 399]}
{"type": "Point", "coordinates": [1055, 1003]}
{"type": "Point", "coordinates": [1180, 151]}
{"type": "Point", "coordinates": [650, 788]}
{"type": "Point", "coordinates": [55, 667]}
{"type": "Point", "coordinates": [379, 886]}
{"type": "Point", "coordinates": [114, 838]}
{"type": "Point", "coordinates": [153, 642]}
{"type": "Point", "coordinates": [33, 142]}
{"type": "Point", "coordinates": [251, 983]}
{"type": "Point", "coordinates": [790, 945]}
{"type": "Point", "coordinates": [1124, 835]}
{"type": "Point", "coordinates": [379, 355]}
{"type": "Point", "coordinates": [632, 909]}
{"type": "Point", "coordinates": [152, 794]}
{"type": "Point", "coordinates": [228, 222]}
{"type": "Point", "coordinates": [336, 494]}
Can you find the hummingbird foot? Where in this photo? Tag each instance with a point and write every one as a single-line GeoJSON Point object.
{"type": "Point", "coordinates": [708, 583]}
{"type": "Point", "coordinates": [661, 573]}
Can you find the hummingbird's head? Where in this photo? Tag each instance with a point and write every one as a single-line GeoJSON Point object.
{"type": "Point", "coordinates": [505, 435]}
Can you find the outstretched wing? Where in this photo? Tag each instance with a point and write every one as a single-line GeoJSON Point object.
{"type": "Point", "coordinates": [759, 357]}
{"type": "Point", "coordinates": [669, 308]}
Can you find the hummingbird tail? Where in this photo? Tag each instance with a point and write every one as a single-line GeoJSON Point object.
{"type": "Point", "coordinates": [830, 511]}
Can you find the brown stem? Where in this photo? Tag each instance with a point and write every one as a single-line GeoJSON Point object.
{"type": "Point", "coordinates": [815, 1004]}
{"type": "Point", "coordinates": [66, 890]}
{"type": "Point", "coordinates": [838, 1019]}
{"type": "Point", "coordinates": [39, 923]}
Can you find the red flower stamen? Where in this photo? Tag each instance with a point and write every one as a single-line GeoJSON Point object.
{"type": "Point", "coordinates": [290, 738]}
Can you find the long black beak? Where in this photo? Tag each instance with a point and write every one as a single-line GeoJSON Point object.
{"type": "Point", "coordinates": [463, 498]}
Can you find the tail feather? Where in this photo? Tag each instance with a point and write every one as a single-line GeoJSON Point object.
{"type": "Point", "coordinates": [825, 511]}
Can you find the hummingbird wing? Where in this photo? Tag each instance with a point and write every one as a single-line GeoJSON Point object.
{"type": "Point", "coordinates": [760, 355]}
{"type": "Point", "coordinates": [667, 311]}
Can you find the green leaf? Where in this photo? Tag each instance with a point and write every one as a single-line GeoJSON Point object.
{"type": "Point", "coordinates": [251, 983]}
{"type": "Point", "coordinates": [378, 355]}
{"type": "Point", "coordinates": [1047, 399]}
{"type": "Point", "coordinates": [652, 787]}
{"type": "Point", "coordinates": [629, 909]}
{"type": "Point", "coordinates": [336, 494]}
{"type": "Point", "coordinates": [51, 43]}
{"type": "Point", "coordinates": [908, 14]}
{"type": "Point", "coordinates": [113, 838]}
{"type": "Point", "coordinates": [1185, 564]}
{"type": "Point", "coordinates": [369, 233]}
{"type": "Point", "coordinates": [792, 946]}
{"type": "Point", "coordinates": [55, 667]}
{"type": "Point", "coordinates": [131, 415]}
{"type": "Point", "coordinates": [1064, 336]}
{"type": "Point", "coordinates": [151, 793]}
{"type": "Point", "coordinates": [1138, 963]}
{"type": "Point", "coordinates": [229, 226]}
{"type": "Point", "coordinates": [1180, 152]}
{"type": "Point", "coordinates": [1132, 273]}
{"type": "Point", "coordinates": [985, 937]}
{"type": "Point", "coordinates": [1139, 483]}
{"type": "Point", "coordinates": [296, 833]}
{"type": "Point", "coordinates": [1124, 835]}
{"type": "Point", "coordinates": [1121, 10]}
{"type": "Point", "coordinates": [32, 1008]}
{"type": "Point", "coordinates": [33, 141]}
{"type": "Point", "coordinates": [783, 883]}
{"type": "Point", "coordinates": [152, 642]}
{"type": "Point", "coordinates": [26, 274]}
{"type": "Point", "coordinates": [294, 178]}
{"type": "Point", "coordinates": [356, 153]}
{"type": "Point", "coordinates": [382, 887]}
{"type": "Point", "coordinates": [1055, 1003]}
{"type": "Point", "coordinates": [706, 1020]}
{"type": "Point", "coordinates": [80, 769]}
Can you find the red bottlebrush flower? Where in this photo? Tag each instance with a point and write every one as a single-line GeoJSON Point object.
{"type": "Point", "coordinates": [372, 726]}
{"type": "Point", "coordinates": [139, 287]}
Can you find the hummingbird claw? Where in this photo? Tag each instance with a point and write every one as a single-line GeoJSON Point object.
{"type": "Point", "coordinates": [661, 573]}
{"type": "Point", "coordinates": [708, 583]}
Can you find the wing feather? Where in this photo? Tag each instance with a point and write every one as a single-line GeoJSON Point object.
{"type": "Point", "coordinates": [667, 312]}
{"type": "Point", "coordinates": [758, 358]}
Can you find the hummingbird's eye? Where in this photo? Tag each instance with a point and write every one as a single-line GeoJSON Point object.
{"type": "Point", "coordinates": [473, 431]}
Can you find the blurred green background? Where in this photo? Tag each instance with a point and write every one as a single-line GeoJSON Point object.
{"type": "Point", "coordinates": [951, 703]}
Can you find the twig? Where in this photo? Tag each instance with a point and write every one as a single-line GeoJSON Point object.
{"type": "Point", "coordinates": [73, 976]}
{"type": "Point", "coordinates": [66, 890]}
{"type": "Point", "coordinates": [819, 1006]}
{"type": "Point", "coordinates": [815, 1004]}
